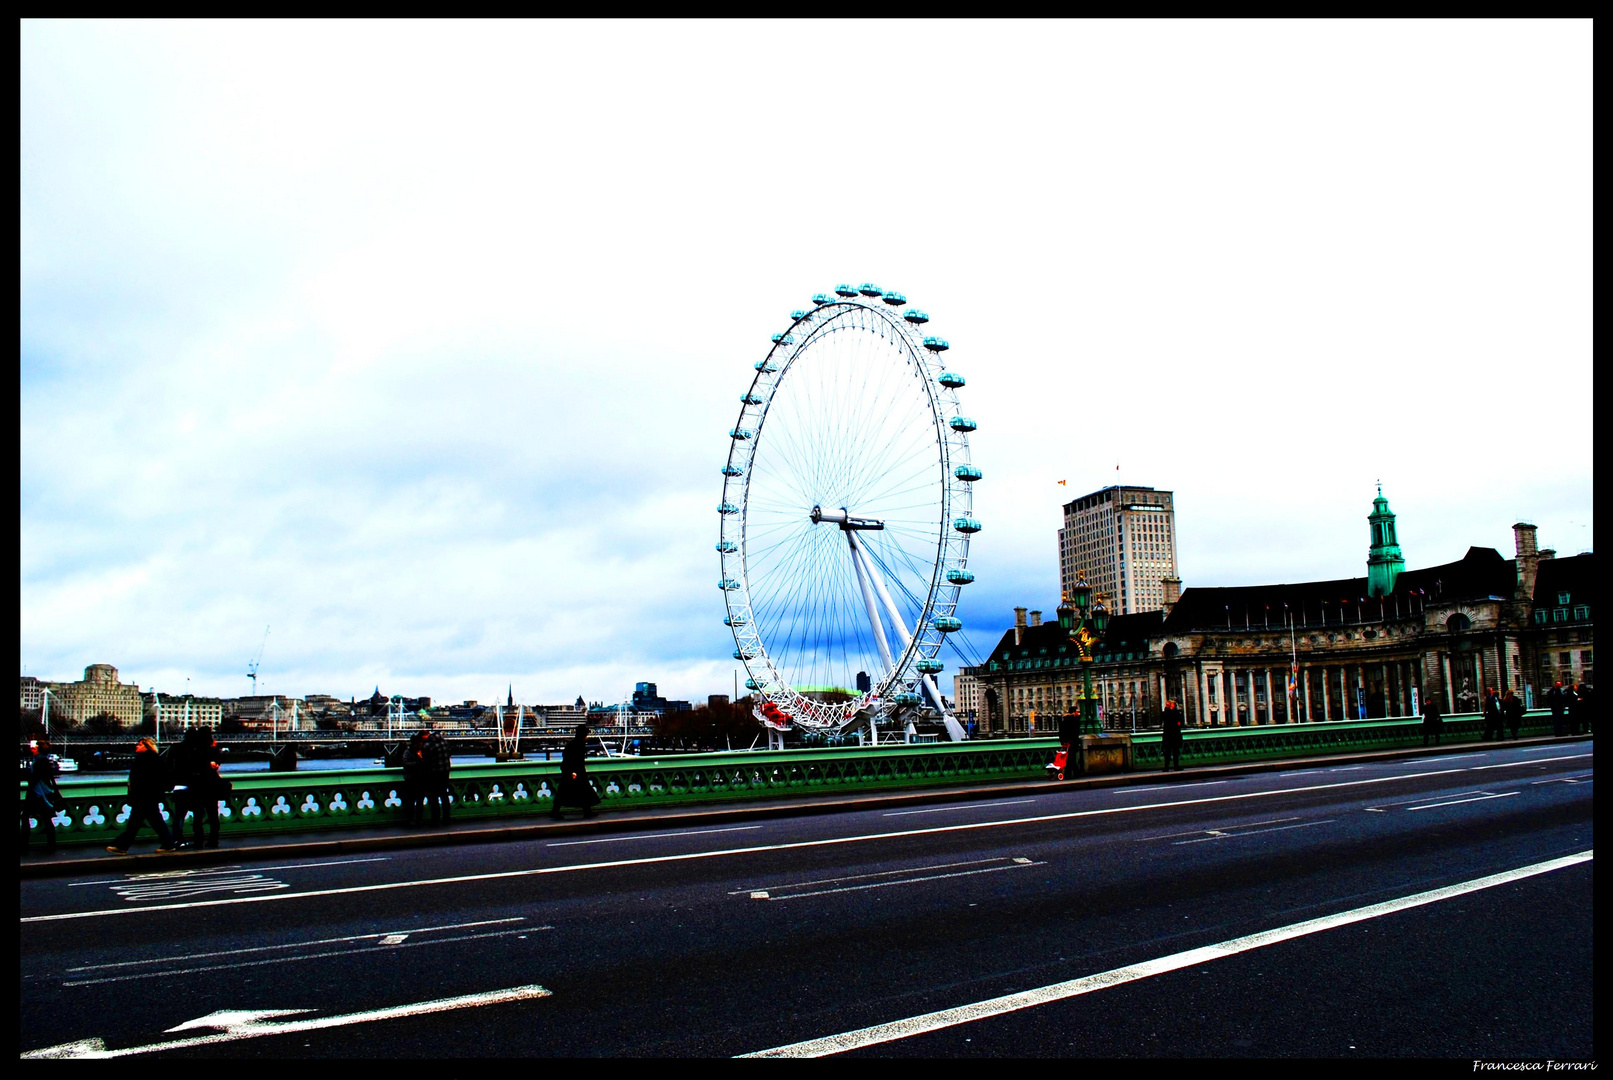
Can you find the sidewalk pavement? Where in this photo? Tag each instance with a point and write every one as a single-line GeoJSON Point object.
{"type": "Point", "coordinates": [253, 848]}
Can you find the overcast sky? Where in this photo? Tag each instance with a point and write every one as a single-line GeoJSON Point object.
{"type": "Point", "coordinates": [419, 343]}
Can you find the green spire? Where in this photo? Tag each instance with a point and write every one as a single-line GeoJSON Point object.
{"type": "Point", "coordinates": [1384, 561]}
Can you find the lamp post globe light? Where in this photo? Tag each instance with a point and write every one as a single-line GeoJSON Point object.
{"type": "Point", "coordinates": [1084, 618]}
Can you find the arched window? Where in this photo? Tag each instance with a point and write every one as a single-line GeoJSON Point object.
{"type": "Point", "coordinates": [1458, 623]}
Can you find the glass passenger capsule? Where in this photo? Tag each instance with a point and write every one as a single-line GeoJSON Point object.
{"type": "Point", "coordinates": [930, 667]}
{"type": "Point", "coordinates": [906, 697]}
{"type": "Point", "coordinates": [868, 288]}
{"type": "Point", "coordinates": [783, 339]}
{"type": "Point", "coordinates": [967, 472]}
{"type": "Point", "coordinates": [750, 684]}
{"type": "Point", "coordinates": [821, 298]}
{"type": "Point", "coordinates": [915, 316]}
{"type": "Point", "coordinates": [960, 423]}
{"type": "Point", "coordinates": [751, 399]}
{"type": "Point", "coordinates": [895, 299]}
{"type": "Point", "coordinates": [740, 433]}
{"type": "Point", "coordinates": [797, 314]}
{"type": "Point", "coordinates": [727, 547]}
{"type": "Point", "coordinates": [936, 344]}
{"type": "Point", "coordinates": [948, 624]}
{"type": "Point", "coordinates": [952, 379]}
{"type": "Point", "coordinates": [727, 508]}
{"type": "Point", "coordinates": [845, 290]}
{"type": "Point", "coordinates": [766, 365]}
{"type": "Point", "coordinates": [960, 577]}
{"type": "Point", "coordinates": [744, 654]}
{"type": "Point", "coordinates": [966, 525]}
{"type": "Point", "coordinates": [727, 584]}
{"type": "Point", "coordinates": [734, 620]}
{"type": "Point", "coordinates": [732, 470]}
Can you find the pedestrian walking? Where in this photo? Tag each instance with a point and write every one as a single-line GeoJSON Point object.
{"type": "Point", "coordinates": [43, 800]}
{"type": "Point", "coordinates": [1433, 720]}
{"type": "Point", "coordinates": [148, 783]}
{"type": "Point", "coordinates": [439, 764]}
{"type": "Point", "coordinates": [414, 778]}
{"type": "Point", "coordinates": [198, 787]}
{"type": "Point", "coordinates": [1512, 710]}
{"type": "Point", "coordinates": [1492, 714]}
{"type": "Point", "coordinates": [1580, 710]}
{"type": "Point", "coordinates": [1170, 735]}
{"type": "Point", "coordinates": [574, 788]}
{"type": "Point", "coordinates": [1557, 702]}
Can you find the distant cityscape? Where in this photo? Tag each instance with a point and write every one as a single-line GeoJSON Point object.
{"type": "Point", "coordinates": [1343, 648]}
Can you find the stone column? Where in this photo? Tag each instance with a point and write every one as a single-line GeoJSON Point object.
{"type": "Point", "coordinates": [1229, 709]}
{"type": "Point", "coordinates": [1326, 705]}
{"type": "Point", "coordinates": [1306, 675]}
{"type": "Point", "coordinates": [1271, 702]}
{"type": "Point", "coordinates": [1450, 690]}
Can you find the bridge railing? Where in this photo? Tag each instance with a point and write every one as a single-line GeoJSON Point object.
{"type": "Point", "coordinates": [289, 802]}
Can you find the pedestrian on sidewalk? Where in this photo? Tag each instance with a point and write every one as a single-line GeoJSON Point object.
{"type": "Point", "coordinates": [439, 763]}
{"type": "Point", "coordinates": [1557, 702]}
{"type": "Point", "coordinates": [1512, 709]}
{"type": "Point", "coordinates": [1433, 720]}
{"type": "Point", "coordinates": [1069, 739]}
{"type": "Point", "coordinates": [196, 770]}
{"type": "Point", "coordinates": [574, 788]}
{"type": "Point", "coordinates": [1492, 714]}
{"type": "Point", "coordinates": [1579, 712]}
{"type": "Point", "coordinates": [148, 783]}
{"type": "Point", "coordinates": [414, 778]}
{"type": "Point", "coordinates": [1170, 735]}
{"type": "Point", "coordinates": [44, 799]}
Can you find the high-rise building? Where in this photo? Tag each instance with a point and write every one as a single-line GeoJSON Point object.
{"type": "Point", "coordinates": [1124, 540]}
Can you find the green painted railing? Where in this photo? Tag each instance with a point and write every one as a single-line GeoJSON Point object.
{"type": "Point", "coordinates": [264, 803]}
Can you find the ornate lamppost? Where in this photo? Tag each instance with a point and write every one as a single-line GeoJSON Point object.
{"type": "Point", "coordinates": [1084, 618]}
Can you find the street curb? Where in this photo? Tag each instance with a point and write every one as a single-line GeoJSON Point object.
{"type": "Point", "coordinates": [717, 815]}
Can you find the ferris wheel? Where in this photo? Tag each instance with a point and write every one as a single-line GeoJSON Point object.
{"type": "Point", "coordinates": [846, 517]}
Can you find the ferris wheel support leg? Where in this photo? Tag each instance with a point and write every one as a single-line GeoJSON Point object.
{"type": "Point", "coordinates": [863, 574]}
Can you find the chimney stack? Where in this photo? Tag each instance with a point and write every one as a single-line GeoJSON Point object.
{"type": "Point", "coordinates": [1019, 626]}
{"type": "Point", "coordinates": [1173, 593]}
{"type": "Point", "coordinates": [1529, 556]}
{"type": "Point", "coordinates": [1036, 618]}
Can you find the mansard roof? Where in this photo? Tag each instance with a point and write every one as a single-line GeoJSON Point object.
{"type": "Point", "coordinates": [1482, 572]}
{"type": "Point", "coordinates": [1573, 575]}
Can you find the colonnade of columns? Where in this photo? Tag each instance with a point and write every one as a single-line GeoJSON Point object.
{"type": "Point", "coordinates": [1229, 695]}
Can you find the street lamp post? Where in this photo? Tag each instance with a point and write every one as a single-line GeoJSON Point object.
{"type": "Point", "coordinates": [1084, 619]}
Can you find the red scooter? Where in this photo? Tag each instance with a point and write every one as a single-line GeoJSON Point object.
{"type": "Point", "coordinates": [1055, 770]}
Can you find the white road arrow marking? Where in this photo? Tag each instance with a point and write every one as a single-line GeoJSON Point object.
{"type": "Point", "coordinates": [253, 1024]}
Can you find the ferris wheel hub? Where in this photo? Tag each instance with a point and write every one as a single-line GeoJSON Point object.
{"type": "Point", "coordinates": [844, 519]}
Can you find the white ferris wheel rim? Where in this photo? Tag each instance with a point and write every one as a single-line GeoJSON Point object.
{"type": "Point", "coordinates": [767, 663]}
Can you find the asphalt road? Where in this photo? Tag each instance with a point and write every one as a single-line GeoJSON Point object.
{"type": "Point", "coordinates": [1433, 908]}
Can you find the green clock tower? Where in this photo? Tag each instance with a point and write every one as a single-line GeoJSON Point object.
{"type": "Point", "coordinates": [1384, 561]}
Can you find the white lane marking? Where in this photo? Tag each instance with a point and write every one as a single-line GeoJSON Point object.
{"type": "Point", "coordinates": [966, 806]}
{"type": "Point", "coordinates": [1381, 806]}
{"type": "Point", "coordinates": [1253, 832]}
{"type": "Point", "coordinates": [1347, 768]}
{"type": "Point", "coordinates": [235, 866]}
{"type": "Point", "coordinates": [1170, 787]}
{"type": "Point", "coordinates": [393, 939]}
{"type": "Point", "coordinates": [650, 836]}
{"type": "Point", "coordinates": [1015, 865]}
{"type": "Point", "coordinates": [292, 959]}
{"type": "Point", "coordinates": [719, 853]}
{"type": "Point", "coordinates": [96, 1048]}
{"type": "Point", "coordinates": [194, 883]}
{"type": "Point", "coordinates": [963, 1014]}
{"type": "Point", "coordinates": [1200, 832]}
{"type": "Point", "coordinates": [1536, 761]}
{"type": "Point", "coordinates": [1458, 802]}
{"type": "Point", "coordinates": [293, 945]}
{"type": "Point", "coordinates": [880, 873]}
{"type": "Point", "coordinates": [1578, 778]}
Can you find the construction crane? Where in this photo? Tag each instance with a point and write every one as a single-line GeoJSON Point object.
{"type": "Point", "coordinates": [252, 664]}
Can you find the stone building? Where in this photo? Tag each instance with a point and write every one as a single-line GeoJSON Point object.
{"type": "Point", "coordinates": [1367, 646]}
{"type": "Point", "coordinates": [1124, 540]}
{"type": "Point", "coordinates": [99, 692]}
{"type": "Point", "coordinates": [182, 711]}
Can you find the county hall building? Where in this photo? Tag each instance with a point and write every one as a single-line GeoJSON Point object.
{"type": "Point", "coordinates": [1356, 647]}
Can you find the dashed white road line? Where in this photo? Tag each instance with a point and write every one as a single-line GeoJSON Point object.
{"type": "Point", "coordinates": [965, 806]}
{"type": "Point", "coordinates": [980, 1010]}
{"type": "Point", "coordinates": [1459, 802]}
{"type": "Point", "coordinates": [649, 836]}
{"type": "Point", "coordinates": [1254, 832]}
{"type": "Point", "coordinates": [794, 845]}
{"type": "Point", "coordinates": [1016, 864]}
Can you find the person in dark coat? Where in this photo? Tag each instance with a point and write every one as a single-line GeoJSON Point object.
{"type": "Point", "coordinates": [44, 799]}
{"type": "Point", "coordinates": [1557, 702]}
{"type": "Point", "coordinates": [1170, 736]}
{"type": "Point", "coordinates": [414, 778]}
{"type": "Point", "coordinates": [1433, 720]}
{"type": "Point", "coordinates": [196, 769]}
{"type": "Point", "coordinates": [1579, 710]}
{"type": "Point", "coordinates": [574, 788]}
{"type": "Point", "coordinates": [1512, 710]}
{"type": "Point", "coordinates": [440, 764]}
{"type": "Point", "coordinates": [1492, 714]}
{"type": "Point", "coordinates": [148, 783]}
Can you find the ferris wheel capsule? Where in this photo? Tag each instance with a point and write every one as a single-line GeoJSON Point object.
{"type": "Point", "coordinates": [968, 473]}
{"type": "Point", "coordinates": [845, 290]}
{"type": "Point", "coordinates": [894, 298]}
{"type": "Point", "coordinates": [961, 423]}
{"type": "Point", "coordinates": [914, 315]}
{"type": "Point", "coordinates": [732, 470]}
{"type": "Point", "coordinates": [929, 667]}
{"type": "Point", "coordinates": [948, 625]}
{"type": "Point", "coordinates": [868, 288]}
{"type": "Point", "coordinates": [936, 344]}
{"type": "Point", "coordinates": [821, 298]}
{"type": "Point", "coordinates": [950, 379]}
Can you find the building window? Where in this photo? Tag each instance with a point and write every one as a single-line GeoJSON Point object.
{"type": "Point", "coordinates": [1559, 614]}
{"type": "Point", "coordinates": [1582, 611]}
{"type": "Point", "coordinates": [1563, 659]}
{"type": "Point", "coordinates": [1562, 598]}
{"type": "Point", "coordinates": [1540, 617]}
{"type": "Point", "coordinates": [1585, 658]}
